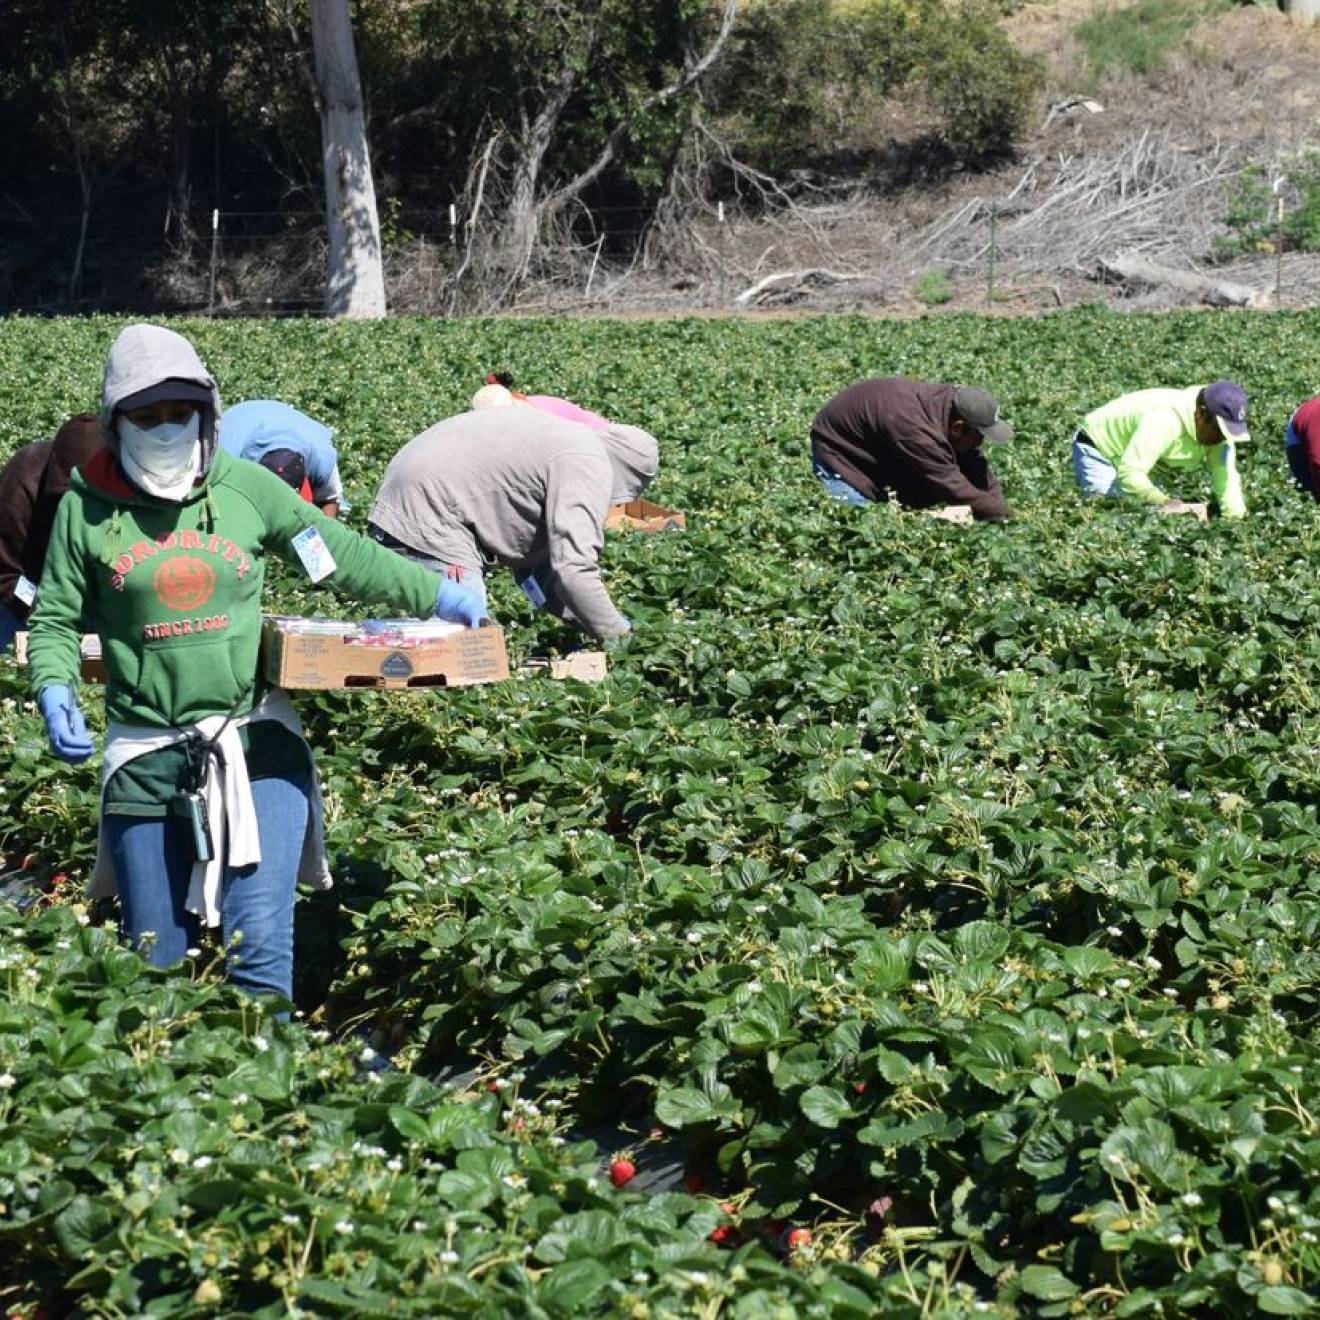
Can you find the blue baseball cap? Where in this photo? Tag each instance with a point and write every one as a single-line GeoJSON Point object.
{"type": "Point", "coordinates": [1226, 402]}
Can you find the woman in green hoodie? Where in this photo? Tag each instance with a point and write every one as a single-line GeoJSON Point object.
{"type": "Point", "coordinates": [210, 809]}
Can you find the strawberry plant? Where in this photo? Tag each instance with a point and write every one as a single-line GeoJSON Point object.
{"type": "Point", "coordinates": [943, 898]}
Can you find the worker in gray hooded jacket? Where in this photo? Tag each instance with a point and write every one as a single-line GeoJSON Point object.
{"type": "Point", "coordinates": [518, 487]}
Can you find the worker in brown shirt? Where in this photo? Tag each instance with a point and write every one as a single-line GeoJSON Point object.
{"type": "Point", "coordinates": [920, 442]}
{"type": "Point", "coordinates": [32, 484]}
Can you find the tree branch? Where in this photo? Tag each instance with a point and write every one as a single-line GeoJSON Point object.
{"type": "Point", "coordinates": [691, 75]}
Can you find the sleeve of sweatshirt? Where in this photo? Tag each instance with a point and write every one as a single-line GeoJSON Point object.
{"type": "Point", "coordinates": [55, 629]}
{"type": "Point", "coordinates": [1225, 482]}
{"type": "Point", "coordinates": [323, 473]}
{"type": "Point", "coordinates": [364, 570]}
{"type": "Point", "coordinates": [976, 468]}
{"type": "Point", "coordinates": [18, 494]}
{"type": "Point", "coordinates": [1305, 425]}
{"type": "Point", "coordinates": [935, 477]}
{"type": "Point", "coordinates": [577, 499]}
{"type": "Point", "coordinates": [1154, 435]}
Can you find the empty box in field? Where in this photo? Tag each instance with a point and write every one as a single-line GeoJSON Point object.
{"type": "Point", "coordinates": [382, 653]}
{"type": "Point", "coordinates": [644, 516]}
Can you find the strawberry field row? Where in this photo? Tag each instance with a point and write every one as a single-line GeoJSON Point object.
{"type": "Point", "coordinates": [951, 891]}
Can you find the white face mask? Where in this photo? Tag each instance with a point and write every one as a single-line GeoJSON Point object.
{"type": "Point", "coordinates": [163, 459]}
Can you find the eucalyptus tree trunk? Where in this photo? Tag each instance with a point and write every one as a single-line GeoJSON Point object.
{"type": "Point", "coordinates": [355, 279]}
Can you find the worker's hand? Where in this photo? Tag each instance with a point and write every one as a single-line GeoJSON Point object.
{"type": "Point", "coordinates": [619, 640]}
{"type": "Point", "coordinates": [459, 604]}
{"type": "Point", "coordinates": [65, 725]}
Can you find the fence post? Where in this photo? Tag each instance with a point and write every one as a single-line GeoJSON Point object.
{"type": "Point", "coordinates": [990, 257]}
{"type": "Point", "coordinates": [453, 225]}
{"type": "Point", "coordinates": [591, 274]}
{"type": "Point", "coordinates": [215, 244]}
{"type": "Point", "coordinates": [720, 232]}
{"type": "Point", "coordinates": [1278, 242]}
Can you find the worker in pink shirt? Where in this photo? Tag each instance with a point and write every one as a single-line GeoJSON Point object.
{"type": "Point", "coordinates": [1302, 445]}
{"type": "Point", "coordinates": [498, 392]}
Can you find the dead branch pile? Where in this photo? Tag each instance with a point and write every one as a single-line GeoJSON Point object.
{"type": "Point", "coordinates": [1153, 196]}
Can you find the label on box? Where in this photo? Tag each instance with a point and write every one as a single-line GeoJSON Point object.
{"type": "Point", "coordinates": [314, 553]}
{"type": "Point", "coordinates": [531, 588]}
{"type": "Point", "coordinates": [25, 590]}
{"type": "Point", "coordinates": [396, 665]}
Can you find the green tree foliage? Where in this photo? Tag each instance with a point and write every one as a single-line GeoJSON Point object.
{"type": "Point", "coordinates": [810, 80]}
{"type": "Point", "coordinates": [1252, 220]}
{"type": "Point", "coordinates": [124, 124]}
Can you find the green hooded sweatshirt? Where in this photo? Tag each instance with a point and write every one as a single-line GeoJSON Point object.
{"type": "Point", "coordinates": [174, 590]}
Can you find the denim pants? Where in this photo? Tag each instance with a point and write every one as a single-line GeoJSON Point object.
{"type": "Point", "coordinates": [9, 625]}
{"type": "Point", "coordinates": [836, 485]}
{"type": "Point", "coordinates": [1297, 464]}
{"type": "Point", "coordinates": [153, 861]}
{"type": "Point", "coordinates": [1096, 475]}
{"type": "Point", "coordinates": [468, 575]}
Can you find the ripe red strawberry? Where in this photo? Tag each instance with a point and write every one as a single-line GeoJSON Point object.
{"type": "Point", "coordinates": [721, 1233]}
{"type": "Point", "coordinates": [694, 1183]}
{"type": "Point", "coordinates": [859, 1087]}
{"type": "Point", "coordinates": [622, 1172]}
{"type": "Point", "coordinates": [798, 1238]}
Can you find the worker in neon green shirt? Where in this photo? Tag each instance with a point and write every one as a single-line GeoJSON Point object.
{"type": "Point", "coordinates": [1119, 444]}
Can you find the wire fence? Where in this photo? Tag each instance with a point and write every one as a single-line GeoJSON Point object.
{"type": "Point", "coordinates": [1149, 202]}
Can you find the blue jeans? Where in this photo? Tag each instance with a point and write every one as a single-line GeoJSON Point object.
{"type": "Point", "coordinates": [153, 861]}
{"type": "Point", "coordinates": [9, 625]}
{"type": "Point", "coordinates": [1297, 464]}
{"type": "Point", "coordinates": [1096, 475]}
{"type": "Point", "coordinates": [836, 485]}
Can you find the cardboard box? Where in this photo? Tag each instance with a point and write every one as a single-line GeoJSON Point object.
{"type": "Point", "coordinates": [960, 515]}
{"type": "Point", "coordinates": [1201, 512]}
{"type": "Point", "coordinates": [93, 667]}
{"type": "Point", "coordinates": [643, 516]}
{"type": "Point", "coordinates": [311, 653]}
{"type": "Point", "coordinates": [585, 666]}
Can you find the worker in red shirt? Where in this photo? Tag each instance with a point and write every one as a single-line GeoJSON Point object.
{"type": "Point", "coordinates": [1302, 445]}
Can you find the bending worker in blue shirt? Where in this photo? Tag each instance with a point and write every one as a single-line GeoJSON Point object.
{"type": "Point", "coordinates": [293, 445]}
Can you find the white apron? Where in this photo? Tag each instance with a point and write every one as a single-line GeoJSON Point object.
{"type": "Point", "coordinates": [228, 795]}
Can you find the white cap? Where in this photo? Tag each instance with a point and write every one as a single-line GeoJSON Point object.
{"type": "Point", "coordinates": [492, 396]}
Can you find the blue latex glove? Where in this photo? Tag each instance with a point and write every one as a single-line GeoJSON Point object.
{"type": "Point", "coordinates": [459, 604]}
{"type": "Point", "coordinates": [65, 725]}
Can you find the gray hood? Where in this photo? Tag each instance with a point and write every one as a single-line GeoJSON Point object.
{"type": "Point", "coordinates": [634, 459]}
{"type": "Point", "coordinates": [146, 355]}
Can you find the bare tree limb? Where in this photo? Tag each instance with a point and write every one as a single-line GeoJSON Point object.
{"type": "Point", "coordinates": [690, 76]}
{"type": "Point", "coordinates": [474, 212]}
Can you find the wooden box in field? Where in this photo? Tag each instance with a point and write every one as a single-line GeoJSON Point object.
{"type": "Point", "coordinates": [322, 653]}
{"type": "Point", "coordinates": [643, 516]}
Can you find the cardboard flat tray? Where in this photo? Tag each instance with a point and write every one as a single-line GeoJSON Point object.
{"type": "Point", "coordinates": [304, 660]}
{"type": "Point", "coordinates": [643, 516]}
{"type": "Point", "coordinates": [293, 659]}
{"type": "Point", "coordinates": [585, 666]}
